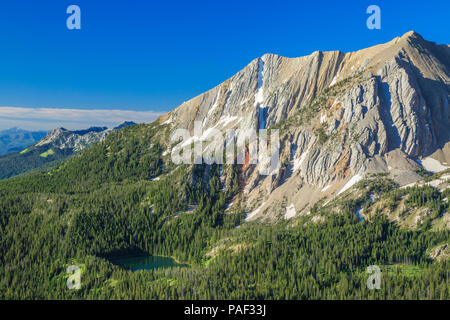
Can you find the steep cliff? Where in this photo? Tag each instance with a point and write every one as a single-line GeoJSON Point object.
{"type": "Point", "coordinates": [340, 116]}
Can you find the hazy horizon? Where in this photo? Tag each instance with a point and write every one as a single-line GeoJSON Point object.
{"type": "Point", "coordinates": [46, 119]}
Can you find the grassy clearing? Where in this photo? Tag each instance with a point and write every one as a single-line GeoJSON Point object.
{"type": "Point", "coordinates": [406, 270]}
{"type": "Point", "coordinates": [48, 153]}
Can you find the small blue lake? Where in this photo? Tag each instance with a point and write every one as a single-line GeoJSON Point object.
{"type": "Point", "coordinates": [146, 262]}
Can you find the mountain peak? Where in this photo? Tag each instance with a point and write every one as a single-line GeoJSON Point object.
{"type": "Point", "coordinates": [57, 131]}
{"type": "Point", "coordinates": [124, 124]}
{"type": "Point", "coordinates": [357, 102]}
{"type": "Point", "coordinates": [412, 36]}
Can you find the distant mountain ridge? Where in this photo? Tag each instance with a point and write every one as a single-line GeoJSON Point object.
{"type": "Point", "coordinates": [77, 140]}
{"type": "Point", "coordinates": [15, 139]}
{"type": "Point", "coordinates": [52, 148]}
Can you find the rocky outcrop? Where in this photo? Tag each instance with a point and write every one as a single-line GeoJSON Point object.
{"type": "Point", "coordinates": [441, 252]}
{"type": "Point", "coordinates": [76, 140]}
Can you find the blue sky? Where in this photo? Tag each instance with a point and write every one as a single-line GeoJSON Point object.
{"type": "Point", "coordinates": [153, 55]}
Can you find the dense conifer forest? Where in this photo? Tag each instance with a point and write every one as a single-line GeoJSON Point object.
{"type": "Point", "coordinates": [106, 202]}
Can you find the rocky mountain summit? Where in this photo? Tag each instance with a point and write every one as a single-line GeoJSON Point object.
{"type": "Point", "coordinates": [62, 138]}
{"type": "Point", "coordinates": [340, 116]}
{"type": "Point", "coordinates": [78, 140]}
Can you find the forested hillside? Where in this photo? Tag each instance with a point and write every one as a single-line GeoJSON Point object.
{"type": "Point", "coordinates": [122, 196]}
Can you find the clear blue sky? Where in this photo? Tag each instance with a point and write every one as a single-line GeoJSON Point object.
{"type": "Point", "coordinates": [153, 55]}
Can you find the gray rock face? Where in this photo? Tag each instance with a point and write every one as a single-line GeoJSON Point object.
{"type": "Point", "coordinates": [64, 139]}
{"type": "Point", "coordinates": [340, 117]}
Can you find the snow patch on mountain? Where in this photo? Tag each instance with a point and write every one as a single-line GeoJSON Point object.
{"type": "Point", "coordinates": [254, 212]}
{"type": "Point", "coordinates": [298, 162]}
{"type": "Point", "coordinates": [432, 165]}
{"type": "Point", "coordinates": [259, 96]}
{"type": "Point", "coordinates": [355, 179]}
{"type": "Point", "coordinates": [290, 212]}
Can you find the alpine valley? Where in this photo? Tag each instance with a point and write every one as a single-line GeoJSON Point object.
{"type": "Point", "coordinates": [363, 179]}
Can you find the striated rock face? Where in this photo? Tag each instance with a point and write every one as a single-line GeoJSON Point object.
{"type": "Point", "coordinates": [339, 115]}
{"type": "Point", "coordinates": [76, 140]}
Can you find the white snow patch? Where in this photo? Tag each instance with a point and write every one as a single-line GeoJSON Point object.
{"type": "Point", "coordinates": [326, 188]}
{"type": "Point", "coordinates": [432, 165]}
{"type": "Point", "coordinates": [259, 96]}
{"type": "Point", "coordinates": [298, 162]}
{"type": "Point", "coordinates": [214, 106]}
{"type": "Point", "coordinates": [206, 134]}
{"type": "Point", "coordinates": [333, 82]}
{"type": "Point", "coordinates": [224, 121]}
{"type": "Point", "coordinates": [355, 179]}
{"type": "Point", "coordinates": [168, 121]}
{"type": "Point", "coordinates": [216, 102]}
{"type": "Point", "coordinates": [254, 212]}
{"type": "Point", "coordinates": [155, 179]}
{"type": "Point", "coordinates": [323, 118]}
{"type": "Point", "coordinates": [290, 212]}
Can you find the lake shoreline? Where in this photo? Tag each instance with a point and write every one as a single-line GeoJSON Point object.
{"type": "Point", "coordinates": [147, 262]}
